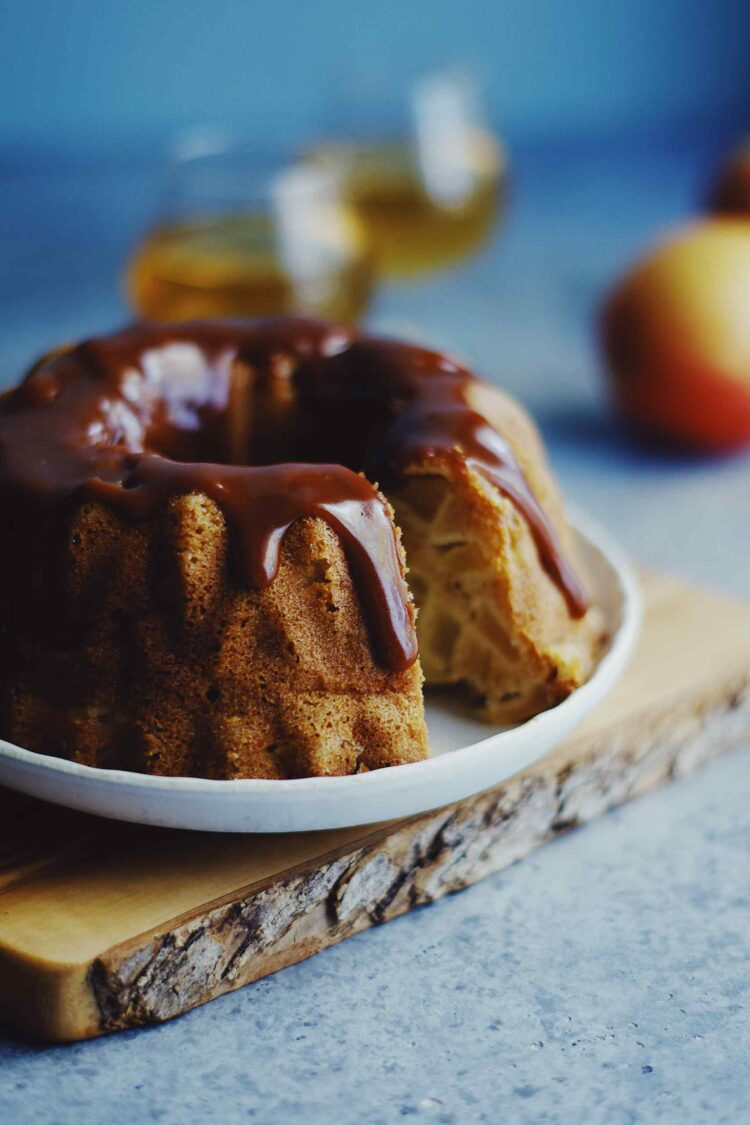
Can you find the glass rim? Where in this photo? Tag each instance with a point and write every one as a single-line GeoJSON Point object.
{"type": "Point", "coordinates": [214, 162]}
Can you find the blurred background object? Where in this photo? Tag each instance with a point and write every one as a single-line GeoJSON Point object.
{"type": "Point", "coordinates": [426, 175]}
{"type": "Point", "coordinates": [91, 100]}
{"type": "Point", "coordinates": [676, 334]}
{"type": "Point", "coordinates": [243, 234]}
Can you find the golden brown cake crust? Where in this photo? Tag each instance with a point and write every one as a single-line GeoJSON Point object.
{"type": "Point", "coordinates": [174, 669]}
{"type": "Point", "coordinates": [167, 613]}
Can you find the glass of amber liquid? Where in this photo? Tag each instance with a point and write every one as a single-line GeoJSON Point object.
{"type": "Point", "coordinates": [245, 235]}
{"type": "Point", "coordinates": [430, 197]}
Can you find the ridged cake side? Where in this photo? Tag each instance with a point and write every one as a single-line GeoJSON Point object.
{"type": "Point", "coordinates": [148, 627]}
{"type": "Point", "coordinates": [164, 663]}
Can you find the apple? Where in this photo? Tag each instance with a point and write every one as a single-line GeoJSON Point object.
{"type": "Point", "coordinates": [730, 194]}
{"type": "Point", "coordinates": [676, 338]}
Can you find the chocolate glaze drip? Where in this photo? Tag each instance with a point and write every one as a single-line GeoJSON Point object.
{"type": "Point", "coordinates": [260, 504]}
{"type": "Point", "coordinates": [410, 407]}
{"type": "Point", "coordinates": [148, 413]}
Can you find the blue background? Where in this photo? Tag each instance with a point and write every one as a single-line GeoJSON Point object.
{"type": "Point", "coordinates": [78, 72]}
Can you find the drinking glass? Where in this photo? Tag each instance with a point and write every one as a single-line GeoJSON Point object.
{"type": "Point", "coordinates": [429, 188]}
{"type": "Point", "coordinates": [245, 234]}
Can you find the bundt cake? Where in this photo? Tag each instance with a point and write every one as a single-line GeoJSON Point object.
{"type": "Point", "coordinates": [200, 576]}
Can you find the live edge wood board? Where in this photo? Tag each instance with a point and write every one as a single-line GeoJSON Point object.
{"type": "Point", "coordinates": [105, 926]}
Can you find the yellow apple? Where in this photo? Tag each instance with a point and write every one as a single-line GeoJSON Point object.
{"type": "Point", "coordinates": [676, 337]}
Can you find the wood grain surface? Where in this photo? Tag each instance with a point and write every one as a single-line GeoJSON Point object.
{"type": "Point", "coordinates": [105, 926]}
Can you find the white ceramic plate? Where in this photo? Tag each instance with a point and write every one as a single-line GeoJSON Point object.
{"type": "Point", "coordinates": [467, 756]}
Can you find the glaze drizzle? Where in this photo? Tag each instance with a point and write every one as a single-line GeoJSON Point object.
{"type": "Point", "coordinates": [150, 412]}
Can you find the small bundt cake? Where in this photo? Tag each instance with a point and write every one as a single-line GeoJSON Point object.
{"type": "Point", "coordinates": [200, 577]}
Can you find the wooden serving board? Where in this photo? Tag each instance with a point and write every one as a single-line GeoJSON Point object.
{"type": "Point", "coordinates": [106, 926]}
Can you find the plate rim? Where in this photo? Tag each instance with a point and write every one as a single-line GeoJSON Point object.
{"type": "Point", "coordinates": [609, 668]}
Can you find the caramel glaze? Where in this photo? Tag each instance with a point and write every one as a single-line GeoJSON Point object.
{"type": "Point", "coordinates": [145, 414]}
